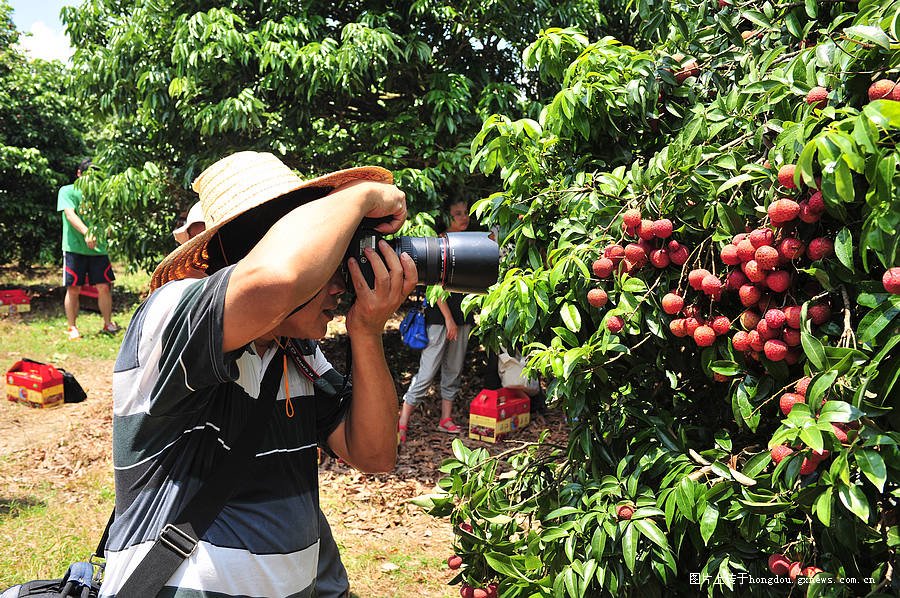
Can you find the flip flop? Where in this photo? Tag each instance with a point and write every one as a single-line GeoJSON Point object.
{"type": "Point", "coordinates": [447, 425]}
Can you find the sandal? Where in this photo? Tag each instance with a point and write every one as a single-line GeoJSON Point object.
{"type": "Point", "coordinates": [447, 425]}
{"type": "Point", "coordinates": [401, 434]}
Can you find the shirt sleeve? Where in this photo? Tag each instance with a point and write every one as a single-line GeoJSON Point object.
{"type": "Point", "coordinates": [66, 198]}
{"type": "Point", "coordinates": [184, 328]}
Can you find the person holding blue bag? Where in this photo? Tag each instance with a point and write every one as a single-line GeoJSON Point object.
{"type": "Point", "coordinates": [448, 335]}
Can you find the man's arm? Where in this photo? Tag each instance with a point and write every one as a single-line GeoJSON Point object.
{"type": "Point", "coordinates": [79, 225]}
{"type": "Point", "coordinates": [299, 255]}
{"type": "Point", "coordinates": [367, 438]}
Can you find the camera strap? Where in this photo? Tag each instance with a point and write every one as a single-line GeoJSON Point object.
{"type": "Point", "coordinates": [293, 348]}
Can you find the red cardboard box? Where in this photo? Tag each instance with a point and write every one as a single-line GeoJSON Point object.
{"type": "Point", "coordinates": [14, 301]}
{"type": "Point", "coordinates": [34, 384]}
{"type": "Point", "coordinates": [494, 414]}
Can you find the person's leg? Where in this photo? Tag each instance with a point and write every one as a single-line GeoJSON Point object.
{"type": "Point", "coordinates": [74, 272]}
{"type": "Point", "coordinates": [429, 363]}
{"type": "Point", "coordinates": [331, 576]}
{"type": "Point", "coordinates": [101, 275]}
{"type": "Point", "coordinates": [451, 375]}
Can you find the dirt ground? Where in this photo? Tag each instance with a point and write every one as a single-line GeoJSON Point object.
{"type": "Point", "coordinates": [374, 524]}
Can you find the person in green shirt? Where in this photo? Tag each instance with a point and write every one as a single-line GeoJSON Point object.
{"type": "Point", "coordinates": [85, 260]}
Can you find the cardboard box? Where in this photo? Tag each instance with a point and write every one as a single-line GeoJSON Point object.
{"type": "Point", "coordinates": [14, 301]}
{"type": "Point", "coordinates": [494, 414]}
{"type": "Point", "coordinates": [34, 384]}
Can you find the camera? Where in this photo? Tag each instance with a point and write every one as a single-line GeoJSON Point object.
{"type": "Point", "coordinates": [466, 262]}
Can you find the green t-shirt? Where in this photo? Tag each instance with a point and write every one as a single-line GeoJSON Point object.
{"type": "Point", "coordinates": [72, 240]}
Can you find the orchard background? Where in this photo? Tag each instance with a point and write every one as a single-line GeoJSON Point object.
{"type": "Point", "coordinates": [720, 330]}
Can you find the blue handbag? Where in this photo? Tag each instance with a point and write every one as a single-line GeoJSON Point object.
{"type": "Point", "coordinates": [412, 328]}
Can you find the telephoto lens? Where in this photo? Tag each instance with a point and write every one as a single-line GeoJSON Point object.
{"type": "Point", "coordinates": [466, 262]}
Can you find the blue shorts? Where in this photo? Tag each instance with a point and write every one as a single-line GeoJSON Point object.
{"type": "Point", "coordinates": [80, 269]}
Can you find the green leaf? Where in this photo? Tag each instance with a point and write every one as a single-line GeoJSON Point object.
{"type": "Point", "coordinates": [820, 385]}
{"type": "Point", "coordinates": [629, 545]}
{"type": "Point", "coordinates": [709, 521]}
{"type": "Point", "coordinates": [649, 529]}
{"type": "Point", "coordinates": [812, 436]}
{"type": "Point", "coordinates": [734, 181]}
{"type": "Point", "coordinates": [855, 501]}
{"type": "Point", "coordinates": [634, 285]}
{"type": "Point", "coordinates": [843, 247]}
{"type": "Point", "coordinates": [814, 350]}
{"type": "Point", "coordinates": [571, 317]}
{"type": "Point", "coordinates": [870, 33]}
{"type": "Point", "coordinates": [872, 465]}
{"type": "Point", "coordinates": [822, 507]}
{"type": "Point", "coordinates": [838, 411]}
{"type": "Point", "coordinates": [883, 113]}
{"type": "Point", "coordinates": [878, 319]}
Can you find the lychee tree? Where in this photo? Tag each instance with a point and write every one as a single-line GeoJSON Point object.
{"type": "Point", "coordinates": [730, 182]}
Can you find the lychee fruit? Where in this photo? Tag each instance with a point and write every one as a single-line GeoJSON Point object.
{"type": "Point", "coordinates": [810, 571]}
{"type": "Point", "coordinates": [689, 69]}
{"type": "Point", "coordinates": [662, 228]}
{"type": "Point", "coordinates": [454, 562]}
{"type": "Point", "coordinates": [749, 319]}
{"type": "Point", "coordinates": [775, 350]}
{"type": "Point", "coordinates": [691, 324]}
{"type": "Point", "coordinates": [766, 257]}
{"type": "Point", "coordinates": [802, 385]}
{"type": "Point", "coordinates": [735, 280]}
{"type": "Point", "coordinates": [659, 258]}
{"type": "Point", "coordinates": [779, 564]}
{"type": "Point", "coordinates": [891, 281]}
{"type": "Point", "coordinates": [636, 255]}
{"type": "Point", "coordinates": [881, 89]}
{"type": "Point", "coordinates": [791, 338]}
{"type": "Point", "coordinates": [780, 452]}
{"type": "Point", "coordinates": [676, 327]}
{"type": "Point", "coordinates": [679, 255]}
{"type": "Point", "coordinates": [795, 568]}
{"type": "Point", "coordinates": [597, 297]}
{"type": "Point", "coordinates": [695, 278]}
{"type": "Point", "coordinates": [781, 211]}
{"type": "Point", "coordinates": [466, 591]}
{"type": "Point", "coordinates": [819, 313]}
{"type": "Point", "coordinates": [816, 203]}
{"type": "Point", "coordinates": [721, 325]}
{"type": "Point", "coordinates": [740, 341]}
{"type": "Point", "coordinates": [615, 324]}
{"type": "Point", "coordinates": [603, 267]}
{"type": "Point", "coordinates": [820, 248]}
{"type": "Point", "coordinates": [632, 217]}
{"type": "Point", "coordinates": [711, 285]}
{"type": "Point", "coordinates": [729, 255]}
{"type": "Point", "coordinates": [775, 318]}
{"type": "Point", "coordinates": [817, 97]}
{"type": "Point", "coordinates": [704, 336]}
{"type": "Point", "coordinates": [778, 281]}
{"type": "Point", "coordinates": [786, 176]}
{"type": "Point", "coordinates": [615, 253]}
{"type": "Point", "coordinates": [765, 332]}
{"type": "Point", "coordinates": [749, 295]}
{"type": "Point", "coordinates": [808, 466]}
{"type": "Point", "coordinates": [746, 250]}
{"type": "Point", "coordinates": [720, 377]}
{"type": "Point", "coordinates": [624, 512]}
{"type": "Point", "coordinates": [645, 230]}
{"type": "Point", "coordinates": [672, 303]}
{"type": "Point", "coordinates": [761, 237]}
{"type": "Point", "coordinates": [840, 432]}
{"type": "Point", "coordinates": [792, 316]}
{"type": "Point", "coordinates": [738, 238]}
{"type": "Point", "coordinates": [788, 400]}
{"type": "Point", "coordinates": [807, 215]}
{"type": "Point", "coordinates": [753, 272]}
{"type": "Point", "coordinates": [480, 593]}
{"type": "Point", "coordinates": [756, 343]}
{"type": "Point", "coordinates": [791, 248]}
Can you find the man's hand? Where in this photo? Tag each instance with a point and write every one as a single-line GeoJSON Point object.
{"type": "Point", "coordinates": [383, 201]}
{"type": "Point", "coordinates": [452, 330]}
{"type": "Point", "coordinates": [395, 278]}
{"type": "Point", "coordinates": [90, 240]}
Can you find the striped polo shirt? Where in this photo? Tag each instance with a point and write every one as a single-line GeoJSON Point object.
{"type": "Point", "coordinates": [179, 403]}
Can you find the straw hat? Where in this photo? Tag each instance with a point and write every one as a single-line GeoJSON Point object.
{"type": "Point", "coordinates": [237, 184]}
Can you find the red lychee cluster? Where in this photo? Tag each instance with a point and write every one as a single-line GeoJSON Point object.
{"type": "Point", "coordinates": [884, 89]}
{"type": "Point", "coordinates": [781, 565]}
{"type": "Point", "coordinates": [651, 247]}
{"type": "Point", "coordinates": [467, 591]}
{"type": "Point", "coordinates": [810, 462]}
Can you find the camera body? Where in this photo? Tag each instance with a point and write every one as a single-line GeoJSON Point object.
{"type": "Point", "coordinates": [466, 262]}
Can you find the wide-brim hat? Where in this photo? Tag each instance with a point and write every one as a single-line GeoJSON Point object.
{"type": "Point", "coordinates": [237, 184]}
{"type": "Point", "coordinates": [194, 216]}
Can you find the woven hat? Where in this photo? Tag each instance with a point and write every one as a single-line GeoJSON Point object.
{"type": "Point", "coordinates": [235, 185]}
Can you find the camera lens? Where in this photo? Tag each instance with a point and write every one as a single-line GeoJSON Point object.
{"type": "Point", "coordinates": [466, 262]}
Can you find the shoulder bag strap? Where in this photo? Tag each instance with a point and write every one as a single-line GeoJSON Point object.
{"type": "Point", "coordinates": [179, 538]}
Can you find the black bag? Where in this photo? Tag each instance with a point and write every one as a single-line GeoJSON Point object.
{"type": "Point", "coordinates": [72, 391]}
{"type": "Point", "coordinates": [82, 580]}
